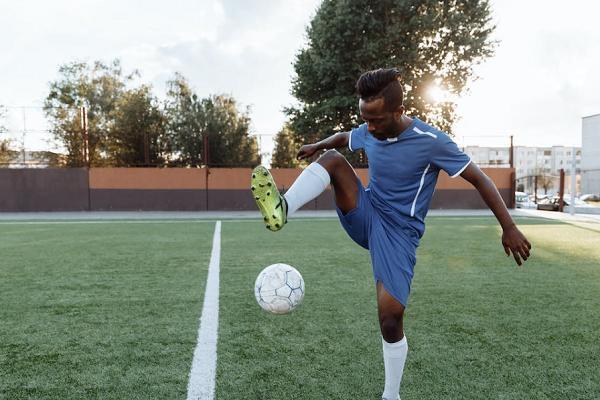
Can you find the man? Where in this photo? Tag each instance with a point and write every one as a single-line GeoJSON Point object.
{"type": "Point", "coordinates": [387, 218]}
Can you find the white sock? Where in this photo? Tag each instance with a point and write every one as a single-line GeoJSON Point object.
{"type": "Point", "coordinates": [394, 357]}
{"type": "Point", "coordinates": [311, 183]}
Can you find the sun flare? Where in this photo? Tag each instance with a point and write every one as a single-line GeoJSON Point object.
{"type": "Point", "coordinates": [438, 94]}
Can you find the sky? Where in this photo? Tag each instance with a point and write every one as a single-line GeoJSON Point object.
{"type": "Point", "coordinates": [542, 80]}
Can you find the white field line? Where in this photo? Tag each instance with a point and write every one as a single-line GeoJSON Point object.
{"type": "Point", "coordinates": [204, 364]}
{"type": "Point", "coordinates": [114, 221]}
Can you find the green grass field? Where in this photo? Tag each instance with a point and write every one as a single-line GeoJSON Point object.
{"type": "Point", "coordinates": [110, 311]}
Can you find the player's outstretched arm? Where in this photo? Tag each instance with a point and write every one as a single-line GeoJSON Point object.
{"type": "Point", "coordinates": [336, 141]}
{"type": "Point", "coordinates": [512, 239]}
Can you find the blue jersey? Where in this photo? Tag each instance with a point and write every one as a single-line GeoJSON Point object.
{"type": "Point", "coordinates": [403, 170]}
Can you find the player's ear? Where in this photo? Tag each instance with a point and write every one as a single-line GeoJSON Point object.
{"type": "Point", "coordinates": [399, 111]}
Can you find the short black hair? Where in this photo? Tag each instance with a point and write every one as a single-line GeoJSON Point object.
{"type": "Point", "coordinates": [381, 83]}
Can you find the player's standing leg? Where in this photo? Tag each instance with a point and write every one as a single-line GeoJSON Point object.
{"type": "Point", "coordinates": [395, 346]}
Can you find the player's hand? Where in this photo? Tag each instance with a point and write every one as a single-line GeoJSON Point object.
{"type": "Point", "coordinates": [516, 243]}
{"type": "Point", "coordinates": [306, 151]}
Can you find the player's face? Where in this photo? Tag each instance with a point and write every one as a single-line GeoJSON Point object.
{"type": "Point", "coordinates": [381, 123]}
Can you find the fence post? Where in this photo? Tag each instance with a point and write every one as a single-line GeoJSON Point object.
{"type": "Point", "coordinates": [513, 189]}
{"type": "Point", "coordinates": [561, 190]}
{"type": "Point", "coordinates": [511, 156]}
{"type": "Point", "coordinates": [86, 139]}
{"type": "Point", "coordinates": [206, 163]}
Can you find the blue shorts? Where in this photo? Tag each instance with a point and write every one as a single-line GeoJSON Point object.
{"type": "Point", "coordinates": [392, 246]}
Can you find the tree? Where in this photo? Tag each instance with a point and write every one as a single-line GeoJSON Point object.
{"type": "Point", "coordinates": [228, 131]}
{"type": "Point", "coordinates": [431, 42]}
{"type": "Point", "coordinates": [137, 130]}
{"type": "Point", "coordinates": [98, 87]}
{"type": "Point", "coordinates": [284, 154]}
{"type": "Point", "coordinates": [6, 153]}
{"type": "Point", "coordinates": [190, 119]}
{"type": "Point", "coordinates": [544, 180]}
{"type": "Point", "coordinates": [184, 128]}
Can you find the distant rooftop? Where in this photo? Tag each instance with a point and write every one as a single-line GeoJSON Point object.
{"type": "Point", "coordinates": [591, 116]}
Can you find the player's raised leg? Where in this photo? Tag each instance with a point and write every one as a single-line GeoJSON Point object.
{"type": "Point", "coordinates": [343, 179]}
{"type": "Point", "coordinates": [395, 346]}
{"type": "Point", "coordinates": [331, 167]}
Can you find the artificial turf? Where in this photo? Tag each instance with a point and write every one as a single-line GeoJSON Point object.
{"type": "Point", "coordinates": [478, 326]}
{"type": "Point", "coordinates": [110, 310]}
{"type": "Point", "coordinates": [100, 310]}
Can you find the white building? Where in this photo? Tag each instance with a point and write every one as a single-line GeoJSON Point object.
{"type": "Point", "coordinates": [489, 156]}
{"type": "Point", "coordinates": [529, 162]}
{"type": "Point", "coordinates": [590, 158]}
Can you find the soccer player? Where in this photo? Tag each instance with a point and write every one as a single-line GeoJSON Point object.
{"type": "Point", "coordinates": [388, 217]}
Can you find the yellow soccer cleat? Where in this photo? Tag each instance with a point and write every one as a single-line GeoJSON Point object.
{"type": "Point", "coordinates": [270, 202]}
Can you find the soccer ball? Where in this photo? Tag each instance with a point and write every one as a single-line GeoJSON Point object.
{"type": "Point", "coordinates": [279, 288]}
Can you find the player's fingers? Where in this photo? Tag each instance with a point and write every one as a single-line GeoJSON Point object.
{"type": "Point", "coordinates": [525, 250]}
{"type": "Point", "coordinates": [523, 254]}
{"type": "Point", "coordinates": [517, 259]}
{"type": "Point", "coordinates": [528, 244]}
{"type": "Point", "coordinates": [506, 249]}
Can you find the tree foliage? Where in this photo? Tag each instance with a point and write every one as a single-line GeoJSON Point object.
{"type": "Point", "coordinates": [6, 153]}
{"type": "Point", "coordinates": [217, 117]}
{"type": "Point", "coordinates": [284, 153]}
{"type": "Point", "coordinates": [228, 128]}
{"type": "Point", "coordinates": [184, 130]}
{"type": "Point", "coordinates": [137, 130]}
{"type": "Point", "coordinates": [129, 126]}
{"type": "Point", "coordinates": [98, 87]}
{"type": "Point", "coordinates": [545, 180]}
{"type": "Point", "coordinates": [431, 42]}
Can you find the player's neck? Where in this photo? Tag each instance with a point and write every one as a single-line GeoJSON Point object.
{"type": "Point", "coordinates": [404, 123]}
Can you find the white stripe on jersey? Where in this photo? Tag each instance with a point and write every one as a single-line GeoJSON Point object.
{"type": "Point", "coordinates": [420, 132]}
{"type": "Point", "coordinates": [412, 209]}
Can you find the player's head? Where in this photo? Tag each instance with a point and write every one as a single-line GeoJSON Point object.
{"type": "Point", "coordinates": [381, 99]}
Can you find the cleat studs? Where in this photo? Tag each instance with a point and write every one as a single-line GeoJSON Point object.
{"type": "Point", "coordinates": [266, 219]}
{"type": "Point", "coordinates": [269, 184]}
{"type": "Point", "coordinates": [276, 225]}
{"type": "Point", "coordinates": [274, 216]}
{"type": "Point", "coordinates": [256, 198]}
{"type": "Point", "coordinates": [265, 173]}
{"type": "Point", "coordinates": [253, 176]}
{"type": "Point", "coordinates": [268, 193]}
{"type": "Point", "coordinates": [261, 185]}
{"type": "Point", "coordinates": [253, 188]}
{"type": "Point", "coordinates": [269, 227]}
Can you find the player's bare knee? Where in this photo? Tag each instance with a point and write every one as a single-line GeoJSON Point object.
{"type": "Point", "coordinates": [391, 328]}
{"type": "Point", "coordinates": [332, 153]}
{"type": "Point", "coordinates": [330, 159]}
